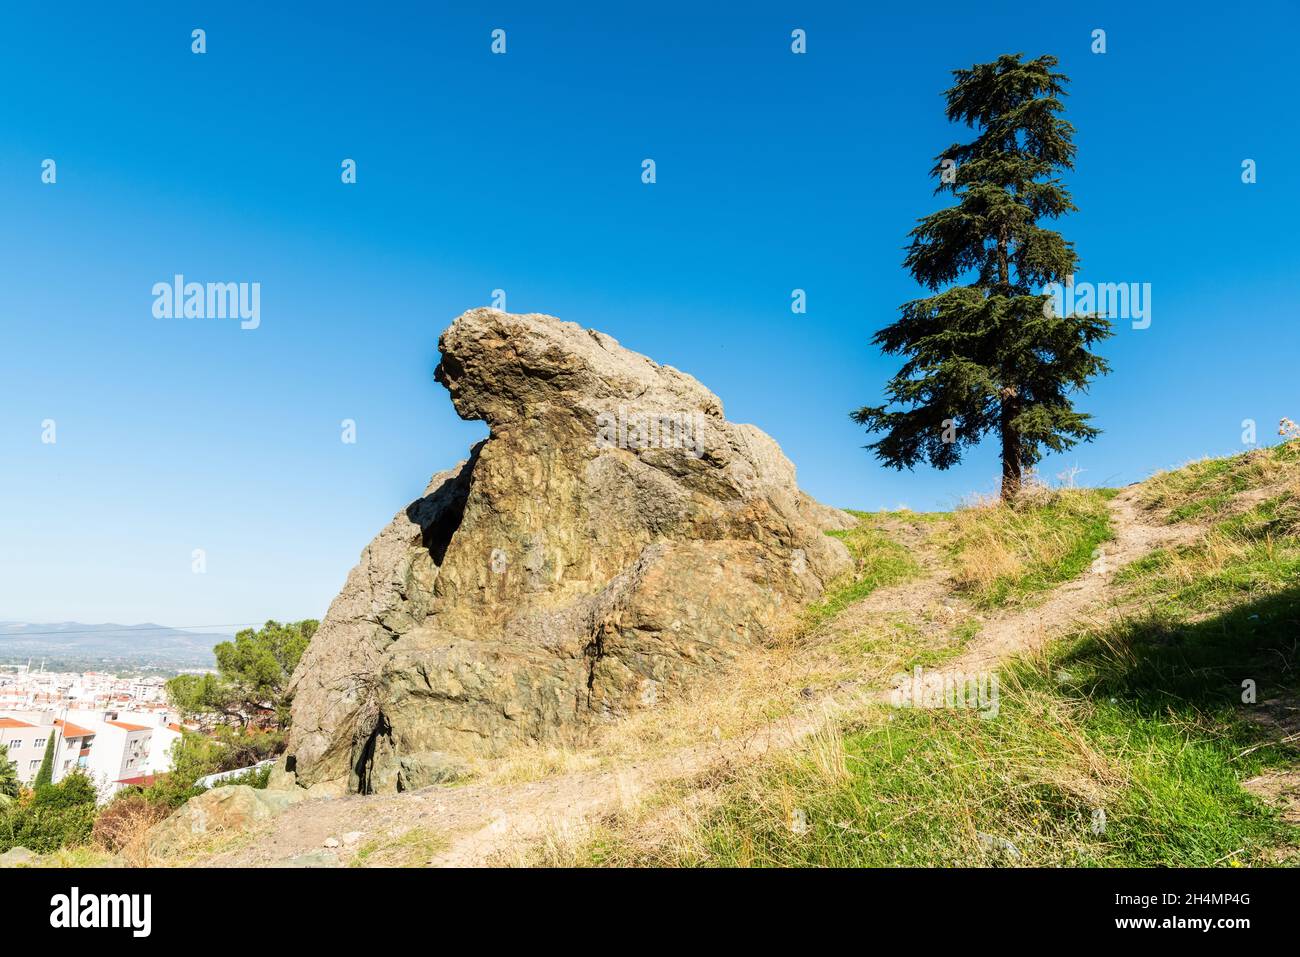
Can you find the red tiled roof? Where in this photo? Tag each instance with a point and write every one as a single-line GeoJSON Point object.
{"type": "Point", "coordinates": [72, 730]}
{"type": "Point", "coordinates": [14, 723]}
{"type": "Point", "coordinates": [128, 727]}
{"type": "Point", "coordinates": [140, 780]}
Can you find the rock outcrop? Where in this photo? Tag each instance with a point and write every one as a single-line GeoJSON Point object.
{"type": "Point", "coordinates": [612, 537]}
{"type": "Point", "coordinates": [229, 809]}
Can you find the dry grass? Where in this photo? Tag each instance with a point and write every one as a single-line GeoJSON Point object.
{"type": "Point", "coordinates": [86, 855]}
{"type": "Point", "coordinates": [122, 828]}
{"type": "Point", "coordinates": [1001, 553]}
{"type": "Point", "coordinates": [203, 847]}
{"type": "Point", "coordinates": [665, 826]}
{"type": "Point", "coordinates": [412, 848]}
{"type": "Point", "coordinates": [535, 764]}
{"type": "Point", "coordinates": [1213, 488]}
{"type": "Point", "coordinates": [753, 691]}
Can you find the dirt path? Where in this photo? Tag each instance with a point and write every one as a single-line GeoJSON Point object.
{"type": "Point", "coordinates": [1087, 600]}
{"type": "Point", "coordinates": [484, 821]}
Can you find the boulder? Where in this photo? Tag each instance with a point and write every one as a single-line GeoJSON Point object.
{"type": "Point", "coordinates": [18, 857]}
{"type": "Point", "coordinates": [281, 779]}
{"type": "Point", "coordinates": [229, 809]}
{"type": "Point", "coordinates": [612, 538]}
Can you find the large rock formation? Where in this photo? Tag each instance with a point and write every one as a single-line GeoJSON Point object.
{"type": "Point", "coordinates": [612, 536]}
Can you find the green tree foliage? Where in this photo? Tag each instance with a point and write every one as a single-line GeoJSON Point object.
{"type": "Point", "coordinates": [988, 356]}
{"type": "Point", "coordinates": [75, 789]}
{"type": "Point", "coordinates": [45, 774]}
{"type": "Point", "coordinates": [9, 784]}
{"type": "Point", "coordinates": [252, 676]}
{"type": "Point", "coordinates": [200, 694]}
{"type": "Point", "coordinates": [195, 756]}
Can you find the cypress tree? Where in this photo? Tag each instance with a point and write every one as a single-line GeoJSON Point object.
{"type": "Point", "coordinates": [46, 772]}
{"type": "Point", "coordinates": [990, 355]}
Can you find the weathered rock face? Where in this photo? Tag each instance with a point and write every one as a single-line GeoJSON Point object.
{"type": "Point", "coordinates": [613, 536]}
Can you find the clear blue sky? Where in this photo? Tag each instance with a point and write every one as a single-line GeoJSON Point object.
{"type": "Point", "coordinates": [522, 171]}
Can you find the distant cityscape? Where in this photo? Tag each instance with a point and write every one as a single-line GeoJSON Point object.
{"type": "Point", "coordinates": [117, 729]}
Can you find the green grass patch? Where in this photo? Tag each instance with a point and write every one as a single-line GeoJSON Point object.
{"type": "Point", "coordinates": [1005, 554]}
{"type": "Point", "coordinates": [939, 789]}
{"type": "Point", "coordinates": [1123, 749]}
{"type": "Point", "coordinates": [878, 560]}
{"type": "Point", "coordinates": [414, 848]}
{"type": "Point", "coordinates": [1248, 555]}
{"type": "Point", "coordinates": [958, 638]}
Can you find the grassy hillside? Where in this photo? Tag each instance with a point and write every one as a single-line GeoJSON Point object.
{"type": "Point", "coordinates": [1157, 738]}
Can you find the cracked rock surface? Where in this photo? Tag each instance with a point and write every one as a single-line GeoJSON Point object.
{"type": "Point", "coordinates": [612, 537]}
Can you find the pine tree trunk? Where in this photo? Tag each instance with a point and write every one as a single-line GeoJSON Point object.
{"type": "Point", "coordinates": [1011, 476]}
{"type": "Point", "coordinates": [1009, 410]}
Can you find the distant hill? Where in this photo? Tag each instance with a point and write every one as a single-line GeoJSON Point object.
{"type": "Point", "coordinates": [75, 646]}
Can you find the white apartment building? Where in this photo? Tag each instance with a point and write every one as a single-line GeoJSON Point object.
{"type": "Point", "coordinates": [115, 748]}
{"type": "Point", "coordinates": [26, 742]}
{"type": "Point", "coordinates": [72, 752]}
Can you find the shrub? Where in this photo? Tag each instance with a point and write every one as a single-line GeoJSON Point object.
{"type": "Point", "coordinates": [123, 824]}
{"type": "Point", "coordinates": [195, 756]}
{"type": "Point", "coordinates": [253, 777]}
{"type": "Point", "coordinates": [45, 828]}
{"type": "Point", "coordinates": [74, 790]}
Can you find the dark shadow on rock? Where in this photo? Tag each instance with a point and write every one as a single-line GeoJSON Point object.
{"type": "Point", "coordinates": [439, 513]}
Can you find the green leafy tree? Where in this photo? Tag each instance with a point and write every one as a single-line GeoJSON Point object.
{"type": "Point", "coordinates": [991, 356]}
{"type": "Point", "coordinates": [198, 695]}
{"type": "Point", "coordinates": [192, 756]}
{"type": "Point", "coordinates": [252, 678]}
{"type": "Point", "coordinates": [45, 774]}
{"type": "Point", "coordinates": [9, 784]}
